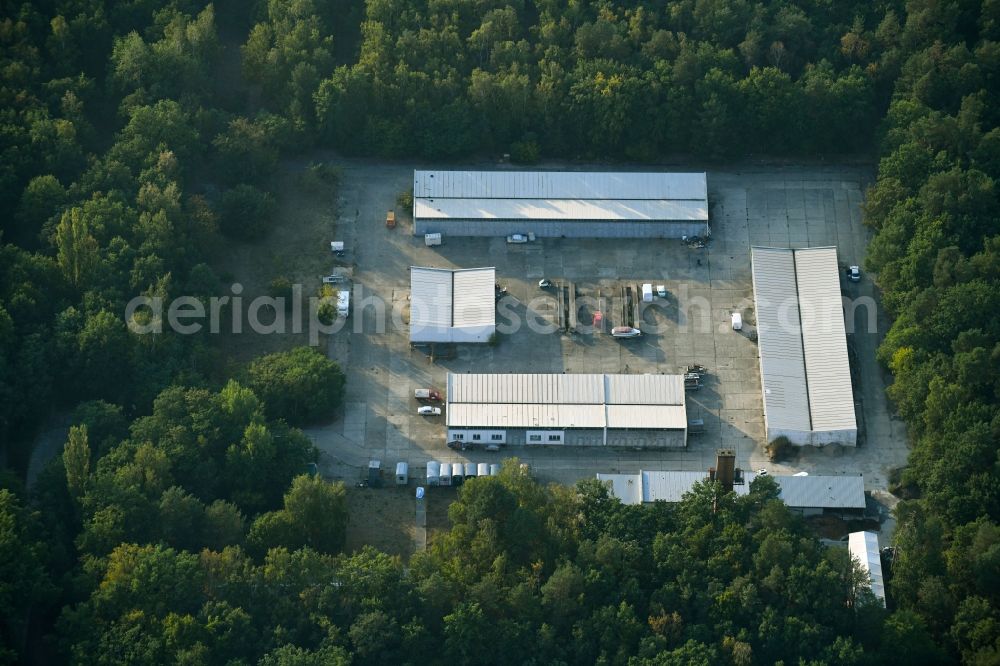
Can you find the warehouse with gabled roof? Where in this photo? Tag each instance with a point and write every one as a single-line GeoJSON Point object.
{"type": "Point", "coordinates": [560, 204]}
{"type": "Point", "coordinates": [802, 344]}
{"type": "Point", "coordinates": [449, 305]}
{"type": "Point", "coordinates": [636, 411]}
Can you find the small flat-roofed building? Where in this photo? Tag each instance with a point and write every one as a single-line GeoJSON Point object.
{"type": "Point", "coordinates": [560, 204]}
{"type": "Point", "coordinates": [636, 411]}
{"type": "Point", "coordinates": [864, 549]}
{"type": "Point", "coordinates": [452, 305]}
{"type": "Point", "coordinates": [802, 344]}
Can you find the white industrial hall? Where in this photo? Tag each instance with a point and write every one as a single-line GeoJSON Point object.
{"type": "Point", "coordinates": [560, 204]}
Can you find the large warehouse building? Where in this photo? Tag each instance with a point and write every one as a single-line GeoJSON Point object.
{"type": "Point", "coordinates": [558, 204]}
{"type": "Point", "coordinates": [809, 495]}
{"type": "Point", "coordinates": [802, 343]}
{"type": "Point", "coordinates": [639, 411]}
{"type": "Point", "coordinates": [452, 305]}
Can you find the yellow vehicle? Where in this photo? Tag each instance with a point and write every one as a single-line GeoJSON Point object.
{"type": "Point", "coordinates": [390, 219]}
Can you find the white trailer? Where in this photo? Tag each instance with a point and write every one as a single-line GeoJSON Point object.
{"type": "Point", "coordinates": [457, 474]}
{"type": "Point", "coordinates": [445, 474]}
{"type": "Point", "coordinates": [470, 470]}
{"type": "Point", "coordinates": [647, 293]}
{"type": "Point", "coordinates": [494, 469]}
{"type": "Point", "coordinates": [483, 469]}
{"type": "Point", "coordinates": [402, 474]}
{"type": "Point", "coordinates": [430, 240]}
{"type": "Point", "coordinates": [433, 473]}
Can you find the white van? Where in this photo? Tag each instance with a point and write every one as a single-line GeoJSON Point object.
{"type": "Point", "coordinates": [431, 240]}
{"type": "Point", "coordinates": [737, 321]}
{"type": "Point", "coordinates": [343, 302]}
{"type": "Point", "coordinates": [647, 293]}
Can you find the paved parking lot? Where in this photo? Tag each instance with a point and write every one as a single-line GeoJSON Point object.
{"type": "Point", "coordinates": [778, 207]}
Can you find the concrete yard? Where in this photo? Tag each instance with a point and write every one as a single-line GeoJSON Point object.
{"type": "Point", "coordinates": [776, 206]}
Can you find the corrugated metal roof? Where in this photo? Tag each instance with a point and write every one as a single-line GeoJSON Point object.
{"type": "Point", "coordinates": [824, 339]}
{"type": "Point", "coordinates": [626, 487]}
{"type": "Point", "coordinates": [558, 185]}
{"type": "Point", "coordinates": [863, 547]}
{"type": "Point", "coordinates": [824, 492]}
{"type": "Point", "coordinates": [671, 486]}
{"type": "Point", "coordinates": [430, 297]}
{"type": "Point", "coordinates": [473, 302]}
{"type": "Point", "coordinates": [443, 299]}
{"type": "Point", "coordinates": [644, 389]}
{"type": "Point", "coordinates": [528, 388]}
{"type": "Point", "coordinates": [783, 369]}
{"type": "Point", "coordinates": [560, 209]}
{"type": "Point", "coordinates": [516, 415]}
{"type": "Point", "coordinates": [799, 492]}
{"type": "Point", "coordinates": [802, 341]}
{"type": "Point", "coordinates": [590, 400]}
{"type": "Point", "coordinates": [647, 416]}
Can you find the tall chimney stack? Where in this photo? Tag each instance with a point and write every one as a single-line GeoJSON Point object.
{"type": "Point", "coordinates": [725, 466]}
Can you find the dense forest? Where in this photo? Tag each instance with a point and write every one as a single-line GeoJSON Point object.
{"type": "Point", "coordinates": [181, 523]}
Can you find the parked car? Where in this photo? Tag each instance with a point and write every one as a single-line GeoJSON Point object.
{"type": "Point", "coordinates": [337, 247]}
{"type": "Point", "coordinates": [661, 291]}
{"type": "Point", "coordinates": [517, 238]}
{"type": "Point", "coordinates": [854, 274]}
{"type": "Point", "coordinates": [459, 445]}
{"type": "Point", "coordinates": [737, 321]}
{"type": "Point", "coordinates": [625, 332]}
{"type": "Point", "coordinates": [333, 279]}
{"type": "Point", "coordinates": [544, 283]}
{"type": "Point", "coordinates": [427, 410]}
{"type": "Point", "coordinates": [492, 448]}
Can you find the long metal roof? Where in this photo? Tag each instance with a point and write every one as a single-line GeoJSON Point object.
{"type": "Point", "coordinates": [558, 185]}
{"type": "Point", "coordinates": [508, 415]}
{"type": "Point", "coordinates": [560, 209]}
{"type": "Point", "coordinates": [526, 388]}
{"type": "Point", "coordinates": [797, 492]}
{"type": "Point", "coordinates": [560, 195]}
{"type": "Point", "coordinates": [529, 400]}
{"type": "Point", "coordinates": [805, 371]}
{"type": "Point", "coordinates": [863, 547]}
{"type": "Point", "coordinates": [442, 300]}
{"type": "Point", "coordinates": [783, 369]}
{"type": "Point", "coordinates": [824, 339]}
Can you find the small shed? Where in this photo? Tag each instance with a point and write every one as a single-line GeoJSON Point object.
{"type": "Point", "coordinates": [433, 473]}
{"type": "Point", "coordinates": [445, 474]}
{"type": "Point", "coordinates": [402, 474]}
{"type": "Point", "coordinates": [375, 473]}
